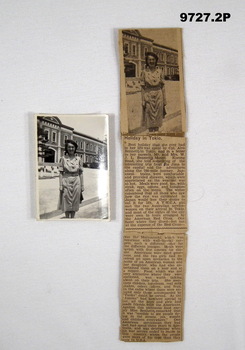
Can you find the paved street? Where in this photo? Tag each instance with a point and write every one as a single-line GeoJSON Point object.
{"type": "Point", "coordinates": [95, 195]}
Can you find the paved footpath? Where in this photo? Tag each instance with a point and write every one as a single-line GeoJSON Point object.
{"type": "Point", "coordinates": [95, 181]}
{"type": "Point", "coordinates": [98, 209]}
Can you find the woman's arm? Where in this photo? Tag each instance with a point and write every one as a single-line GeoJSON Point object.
{"type": "Point", "coordinates": [81, 174]}
{"type": "Point", "coordinates": [61, 169]}
{"type": "Point", "coordinates": [81, 181]}
{"type": "Point", "coordinates": [142, 84]}
{"type": "Point", "coordinates": [60, 182]}
{"type": "Point", "coordinates": [162, 82]}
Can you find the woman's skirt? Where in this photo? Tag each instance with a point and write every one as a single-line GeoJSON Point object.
{"type": "Point", "coordinates": [154, 108]}
{"type": "Point", "coordinates": [71, 193]}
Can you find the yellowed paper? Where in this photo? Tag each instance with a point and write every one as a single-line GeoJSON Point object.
{"type": "Point", "coordinates": [155, 183]}
{"type": "Point", "coordinates": [151, 98]}
{"type": "Point", "coordinates": [152, 287]}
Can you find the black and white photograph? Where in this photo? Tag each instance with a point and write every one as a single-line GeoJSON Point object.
{"type": "Point", "coordinates": [72, 167]}
{"type": "Point", "coordinates": [151, 72]}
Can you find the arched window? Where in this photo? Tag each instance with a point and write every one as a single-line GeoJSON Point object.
{"type": "Point", "coordinates": [54, 136]}
{"type": "Point", "coordinates": [47, 134]}
{"type": "Point", "coordinates": [134, 50]}
{"type": "Point", "coordinates": [49, 155]}
{"type": "Point", "coordinates": [126, 48]}
{"type": "Point", "coordinates": [130, 70]}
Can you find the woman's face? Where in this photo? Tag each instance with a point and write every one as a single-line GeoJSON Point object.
{"type": "Point", "coordinates": [70, 148]}
{"type": "Point", "coordinates": [151, 61]}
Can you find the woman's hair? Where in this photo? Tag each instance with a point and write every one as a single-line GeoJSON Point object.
{"type": "Point", "coordinates": [150, 54]}
{"type": "Point", "coordinates": [71, 142]}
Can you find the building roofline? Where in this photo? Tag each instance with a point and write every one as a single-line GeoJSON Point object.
{"type": "Point", "coordinates": [51, 119]}
{"type": "Point", "coordinates": [67, 127]}
{"type": "Point", "coordinates": [138, 35]}
{"type": "Point", "coordinates": [88, 137]}
{"type": "Point", "coordinates": [43, 117]}
{"type": "Point", "coordinates": [133, 32]}
{"type": "Point", "coordinates": [165, 47]}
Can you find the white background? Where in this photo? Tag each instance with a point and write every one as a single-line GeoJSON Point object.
{"type": "Point", "coordinates": [60, 280]}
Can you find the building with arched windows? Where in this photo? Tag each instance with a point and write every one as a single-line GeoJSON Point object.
{"type": "Point", "coordinates": [135, 47]}
{"type": "Point", "coordinates": [52, 135]}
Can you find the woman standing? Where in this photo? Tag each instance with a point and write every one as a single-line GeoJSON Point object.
{"type": "Point", "coordinates": [153, 93]}
{"type": "Point", "coordinates": [70, 180]}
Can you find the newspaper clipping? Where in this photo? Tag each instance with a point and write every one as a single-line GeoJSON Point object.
{"type": "Point", "coordinates": [153, 287]}
{"type": "Point", "coordinates": [155, 185]}
{"type": "Point", "coordinates": [151, 81]}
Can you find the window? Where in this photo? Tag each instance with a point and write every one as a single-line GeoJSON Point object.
{"type": "Point", "coordinates": [46, 134]}
{"type": "Point", "coordinates": [126, 49]}
{"type": "Point", "coordinates": [87, 146]}
{"type": "Point", "coordinates": [54, 136]}
{"type": "Point", "coordinates": [81, 144]}
{"type": "Point", "coordinates": [130, 70]}
{"type": "Point", "coordinates": [91, 147]}
{"type": "Point", "coordinates": [134, 49]}
{"type": "Point", "coordinates": [65, 138]}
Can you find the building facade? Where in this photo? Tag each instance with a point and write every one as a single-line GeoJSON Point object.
{"type": "Point", "coordinates": [52, 135]}
{"type": "Point", "coordinates": [135, 47]}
